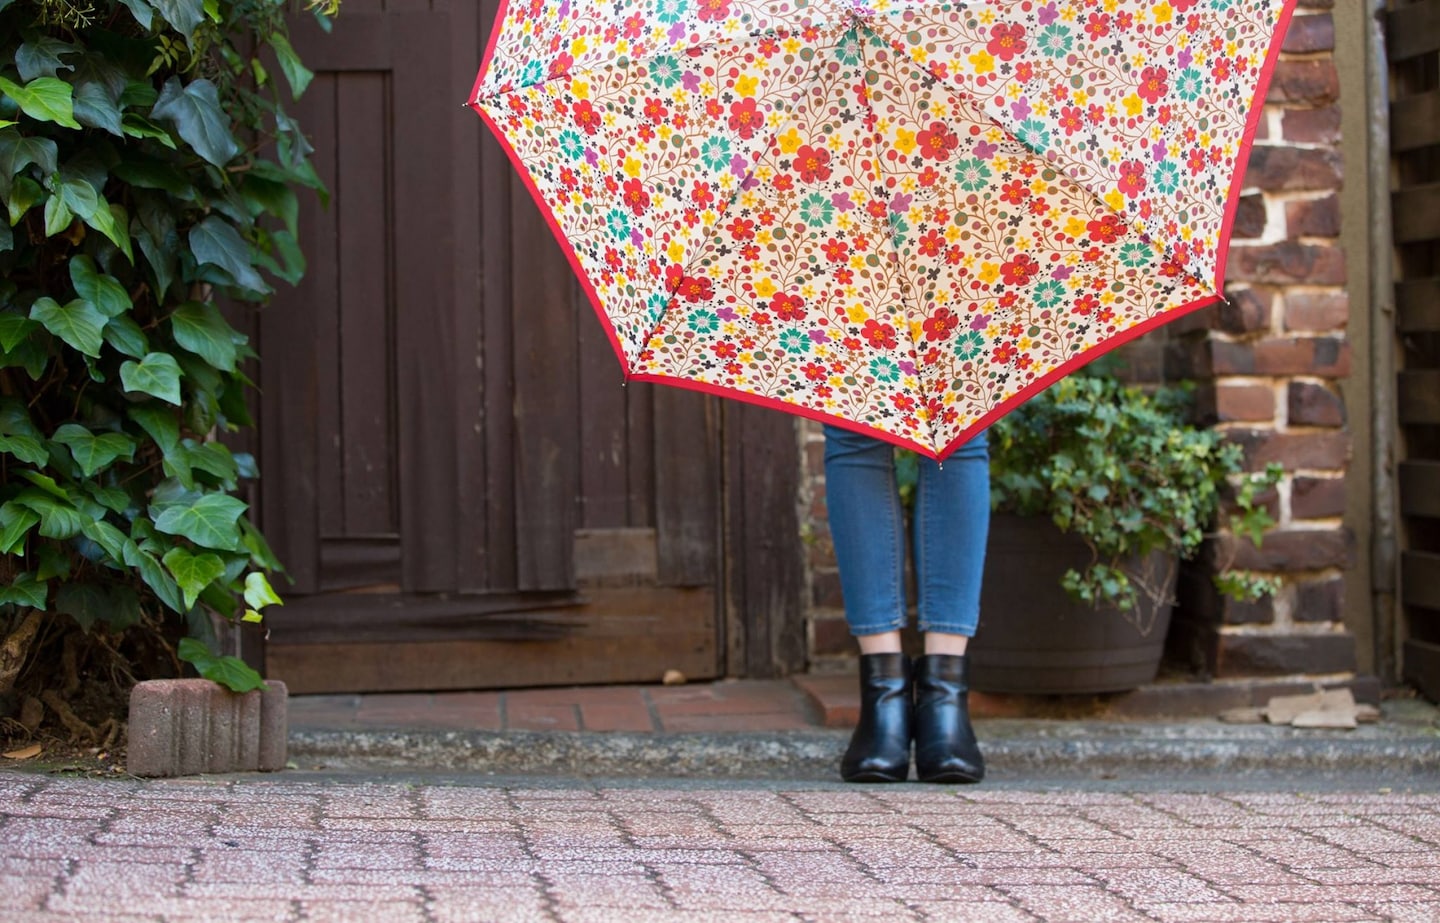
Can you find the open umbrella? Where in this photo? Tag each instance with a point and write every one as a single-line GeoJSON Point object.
{"type": "Point", "coordinates": [899, 216]}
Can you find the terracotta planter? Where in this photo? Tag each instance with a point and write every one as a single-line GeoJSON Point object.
{"type": "Point", "coordinates": [1034, 639]}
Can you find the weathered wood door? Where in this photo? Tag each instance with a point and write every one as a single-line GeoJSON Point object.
{"type": "Point", "coordinates": [463, 492]}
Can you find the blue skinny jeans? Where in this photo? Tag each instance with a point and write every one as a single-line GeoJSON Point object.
{"type": "Point", "coordinates": [951, 522]}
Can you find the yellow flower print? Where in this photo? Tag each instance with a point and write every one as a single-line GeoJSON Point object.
{"type": "Point", "coordinates": [580, 89]}
{"type": "Point", "coordinates": [1164, 12]}
{"type": "Point", "coordinates": [746, 85]}
{"type": "Point", "coordinates": [905, 141]}
{"type": "Point", "coordinates": [790, 141]}
{"type": "Point", "coordinates": [983, 62]}
{"type": "Point", "coordinates": [989, 272]}
{"type": "Point", "coordinates": [766, 287]}
{"type": "Point", "coordinates": [857, 313]}
{"type": "Point", "coordinates": [1134, 105]}
{"type": "Point", "coordinates": [632, 167]}
{"type": "Point", "coordinates": [676, 251]}
{"type": "Point", "coordinates": [1115, 200]}
{"type": "Point", "coordinates": [578, 47]}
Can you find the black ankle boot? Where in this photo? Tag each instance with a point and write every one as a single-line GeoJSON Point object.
{"type": "Point", "coordinates": [945, 745]}
{"type": "Point", "coordinates": [880, 749]}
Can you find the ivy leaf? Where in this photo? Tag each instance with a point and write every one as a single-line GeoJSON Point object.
{"type": "Point", "coordinates": [57, 519]}
{"type": "Point", "coordinates": [137, 126]}
{"type": "Point", "coordinates": [18, 152]}
{"type": "Point", "coordinates": [157, 375]}
{"type": "Point", "coordinates": [25, 591]}
{"type": "Point", "coordinates": [259, 593]}
{"type": "Point", "coordinates": [197, 115]}
{"type": "Point", "coordinates": [79, 196]}
{"type": "Point", "coordinates": [91, 452]}
{"type": "Point", "coordinates": [153, 173]}
{"type": "Point", "coordinates": [126, 336]}
{"type": "Point", "coordinates": [86, 603]}
{"type": "Point", "coordinates": [41, 57]}
{"type": "Point", "coordinates": [53, 563]}
{"type": "Point", "coordinates": [142, 11]}
{"type": "Point", "coordinates": [109, 219]}
{"type": "Point", "coordinates": [216, 241]}
{"type": "Point", "coordinates": [45, 99]}
{"type": "Point", "coordinates": [16, 521]}
{"type": "Point", "coordinates": [112, 498]}
{"type": "Point", "coordinates": [200, 328]}
{"type": "Point", "coordinates": [214, 458]}
{"type": "Point", "coordinates": [25, 194]}
{"type": "Point", "coordinates": [230, 672]}
{"type": "Point", "coordinates": [193, 572]}
{"type": "Point", "coordinates": [58, 216]}
{"type": "Point", "coordinates": [110, 539]}
{"type": "Point", "coordinates": [155, 576]}
{"type": "Point", "coordinates": [14, 330]}
{"type": "Point", "coordinates": [159, 424]}
{"type": "Point", "coordinates": [77, 323]}
{"type": "Point", "coordinates": [26, 448]}
{"type": "Point", "coordinates": [95, 108]}
{"type": "Point", "coordinates": [102, 290]}
{"type": "Point", "coordinates": [182, 15]}
{"type": "Point", "coordinates": [209, 522]}
{"type": "Point", "coordinates": [296, 73]}
{"type": "Point", "coordinates": [260, 553]}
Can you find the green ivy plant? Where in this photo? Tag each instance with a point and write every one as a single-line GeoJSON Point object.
{"type": "Point", "coordinates": [1125, 470]}
{"type": "Point", "coordinates": [150, 174]}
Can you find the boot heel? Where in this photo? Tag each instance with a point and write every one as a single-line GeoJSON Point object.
{"type": "Point", "coordinates": [946, 750]}
{"type": "Point", "coordinates": [879, 750]}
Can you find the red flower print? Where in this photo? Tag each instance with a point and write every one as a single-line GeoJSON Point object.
{"type": "Point", "coordinates": [881, 336]}
{"type": "Point", "coordinates": [1020, 270]}
{"type": "Point", "coordinates": [655, 110]}
{"type": "Point", "coordinates": [1153, 84]}
{"type": "Point", "coordinates": [928, 177]}
{"type": "Point", "coordinates": [903, 402]}
{"type": "Point", "coordinates": [585, 116]}
{"type": "Point", "coordinates": [561, 65]}
{"type": "Point", "coordinates": [634, 26]}
{"type": "Point", "coordinates": [745, 117]}
{"type": "Point", "coordinates": [877, 208]}
{"type": "Point", "coordinates": [931, 244]}
{"type": "Point", "coordinates": [788, 307]}
{"type": "Point", "coordinates": [835, 250]}
{"type": "Point", "coordinates": [812, 163]}
{"type": "Point", "coordinates": [714, 108]}
{"type": "Point", "coordinates": [725, 350]}
{"type": "Point", "coordinates": [1132, 178]}
{"type": "Point", "coordinates": [941, 324]}
{"type": "Point", "coordinates": [954, 256]}
{"type": "Point", "coordinates": [1014, 192]}
{"type": "Point", "coordinates": [1098, 25]}
{"type": "Point", "coordinates": [696, 288]}
{"type": "Point", "coordinates": [937, 141]}
{"type": "Point", "coordinates": [636, 197]}
{"type": "Point", "coordinates": [784, 182]}
{"type": "Point", "coordinates": [1107, 230]}
{"type": "Point", "coordinates": [713, 10]}
{"type": "Point", "coordinates": [1006, 40]}
{"type": "Point", "coordinates": [814, 371]}
{"type": "Point", "coordinates": [741, 229]}
{"type": "Point", "coordinates": [1085, 304]}
{"type": "Point", "coordinates": [1071, 119]}
{"type": "Point", "coordinates": [1004, 353]}
{"type": "Point", "coordinates": [761, 318]}
{"type": "Point", "coordinates": [1195, 161]}
{"type": "Point", "coordinates": [702, 195]}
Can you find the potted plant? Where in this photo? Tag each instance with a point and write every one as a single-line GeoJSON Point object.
{"type": "Point", "coordinates": [1100, 489]}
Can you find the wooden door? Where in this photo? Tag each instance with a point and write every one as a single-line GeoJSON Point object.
{"type": "Point", "coordinates": [464, 493]}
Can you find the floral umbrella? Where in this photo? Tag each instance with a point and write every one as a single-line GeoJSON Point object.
{"type": "Point", "coordinates": [904, 217]}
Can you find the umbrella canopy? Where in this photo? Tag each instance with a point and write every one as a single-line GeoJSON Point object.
{"type": "Point", "coordinates": [903, 217]}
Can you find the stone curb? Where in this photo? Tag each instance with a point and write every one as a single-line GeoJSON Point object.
{"type": "Point", "coordinates": [1011, 748]}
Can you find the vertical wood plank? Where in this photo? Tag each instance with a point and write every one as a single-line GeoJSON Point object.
{"type": "Point", "coordinates": [765, 588]}
{"type": "Point", "coordinates": [640, 449]}
{"type": "Point", "coordinates": [687, 475]}
{"type": "Point", "coordinates": [424, 234]}
{"type": "Point", "coordinates": [363, 194]}
{"type": "Point", "coordinates": [545, 402]}
{"type": "Point", "coordinates": [604, 431]}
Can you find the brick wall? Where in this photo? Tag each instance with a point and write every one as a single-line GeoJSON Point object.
{"type": "Point", "coordinates": [1269, 362]}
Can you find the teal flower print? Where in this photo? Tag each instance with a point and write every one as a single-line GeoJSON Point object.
{"type": "Point", "coordinates": [618, 223]}
{"type": "Point", "coordinates": [703, 322]}
{"type": "Point", "coordinates": [665, 70]}
{"type": "Point", "coordinates": [656, 304]}
{"type": "Point", "coordinates": [1189, 85]}
{"type": "Point", "coordinates": [972, 174]}
{"type": "Point", "coordinates": [969, 345]}
{"type": "Point", "coordinates": [1055, 40]}
{"type": "Point", "coordinates": [1135, 255]}
{"type": "Point", "coordinates": [715, 153]}
{"type": "Point", "coordinates": [794, 342]}
{"type": "Point", "coordinates": [1034, 134]}
{"type": "Point", "coordinates": [671, 11]}
{"type": "Point", "coordinates": [533, 73]}
{"type": "Point", "coordinates": [899, 229]}
{"type": "Point", "coordinates": [847, 52]}
{"type": "Point", "coordinates": [1166, 177]}
{"type": "Point", "coordinates": [571, 144]}
{"type": "Point", "coordinates": [884, 369]}
{"type": "Point", "coordinates": [1048, 293]}
{"type": "Point", "coordinates": [817, 211]}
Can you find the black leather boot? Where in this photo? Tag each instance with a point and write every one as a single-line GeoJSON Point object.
{"type": "Point", "coordinates": [880, 749]}
{"type": "Point", "coordinates": [945, 746]}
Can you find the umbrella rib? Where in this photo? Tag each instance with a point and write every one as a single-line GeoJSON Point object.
{"type": "Point", "coordinates": [910, 293]}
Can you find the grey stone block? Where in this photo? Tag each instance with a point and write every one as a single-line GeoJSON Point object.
{"type": "Point", "coordinates": [183, 727]}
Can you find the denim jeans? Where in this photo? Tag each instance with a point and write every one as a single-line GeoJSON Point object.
{"type": "Point", "coordinates": [951, 521]}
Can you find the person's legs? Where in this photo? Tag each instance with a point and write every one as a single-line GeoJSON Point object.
{"type": "Point", "coordinates": [867, 526]}
{"type": "Point", "coordinates": [952, 524]}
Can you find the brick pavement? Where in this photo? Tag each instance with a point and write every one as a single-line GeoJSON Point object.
{"type": "Point", "coordinates": [300, 847]}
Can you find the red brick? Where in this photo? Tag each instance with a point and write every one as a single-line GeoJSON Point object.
{"type": "Point", "coordinates": [825, 588]}
{"type": "Point", "coordinates": [832, 636]}
{"type": "Point", "coordinates": [1249, 217]}
{"type": "Point", "coordinates": [1320, 600]}
{"type": "Point", "coordinates": [1317, 498]}
{"type": "Point", "coordinates": [1309, 82]}
{"type": "Point", "coordinates": [1319, 312]}
{"type": "Point", "coordinates": [1244, 403]}
{"type": "Point", "coordinates": [1276, 168]}
{"type": "Point", "coordinates": [1309, 34]}
{"type": "Point", "coordinates": [1311, 126]}
{"type": "Point", "coordinates": [1247, 310]}
{"type": "Point", "coordinates": [1288, 550]}
{"type": "Point", "coordinates": [1323, 356]}
{"type": "Point", "coordinates": [1317, 450]}
{"type": "Point", "coordinates": [1313, 217]}
{"type": "Point", "coordinates": [1248, 612]}
{"type": "Point", "coordinates": [187, 726]}
{"type": "Point", "coordinates": [1311, 404]}
{"type": "Point", "coordinates": [1288, 262]}
{"type": "Point", "coordinates": [1271, 655]}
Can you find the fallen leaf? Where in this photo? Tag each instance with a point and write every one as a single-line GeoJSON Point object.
{"type": "Point", "coordinates": [24, 753]}
{"type": "Point", "coordinates": [673, 678]}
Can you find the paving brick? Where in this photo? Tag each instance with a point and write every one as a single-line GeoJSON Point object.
{"type": "Point", "coordinates": [183, 727]}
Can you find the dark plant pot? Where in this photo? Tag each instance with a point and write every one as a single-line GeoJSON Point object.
{"type": "Point", "coordinates": [1033, 638]}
